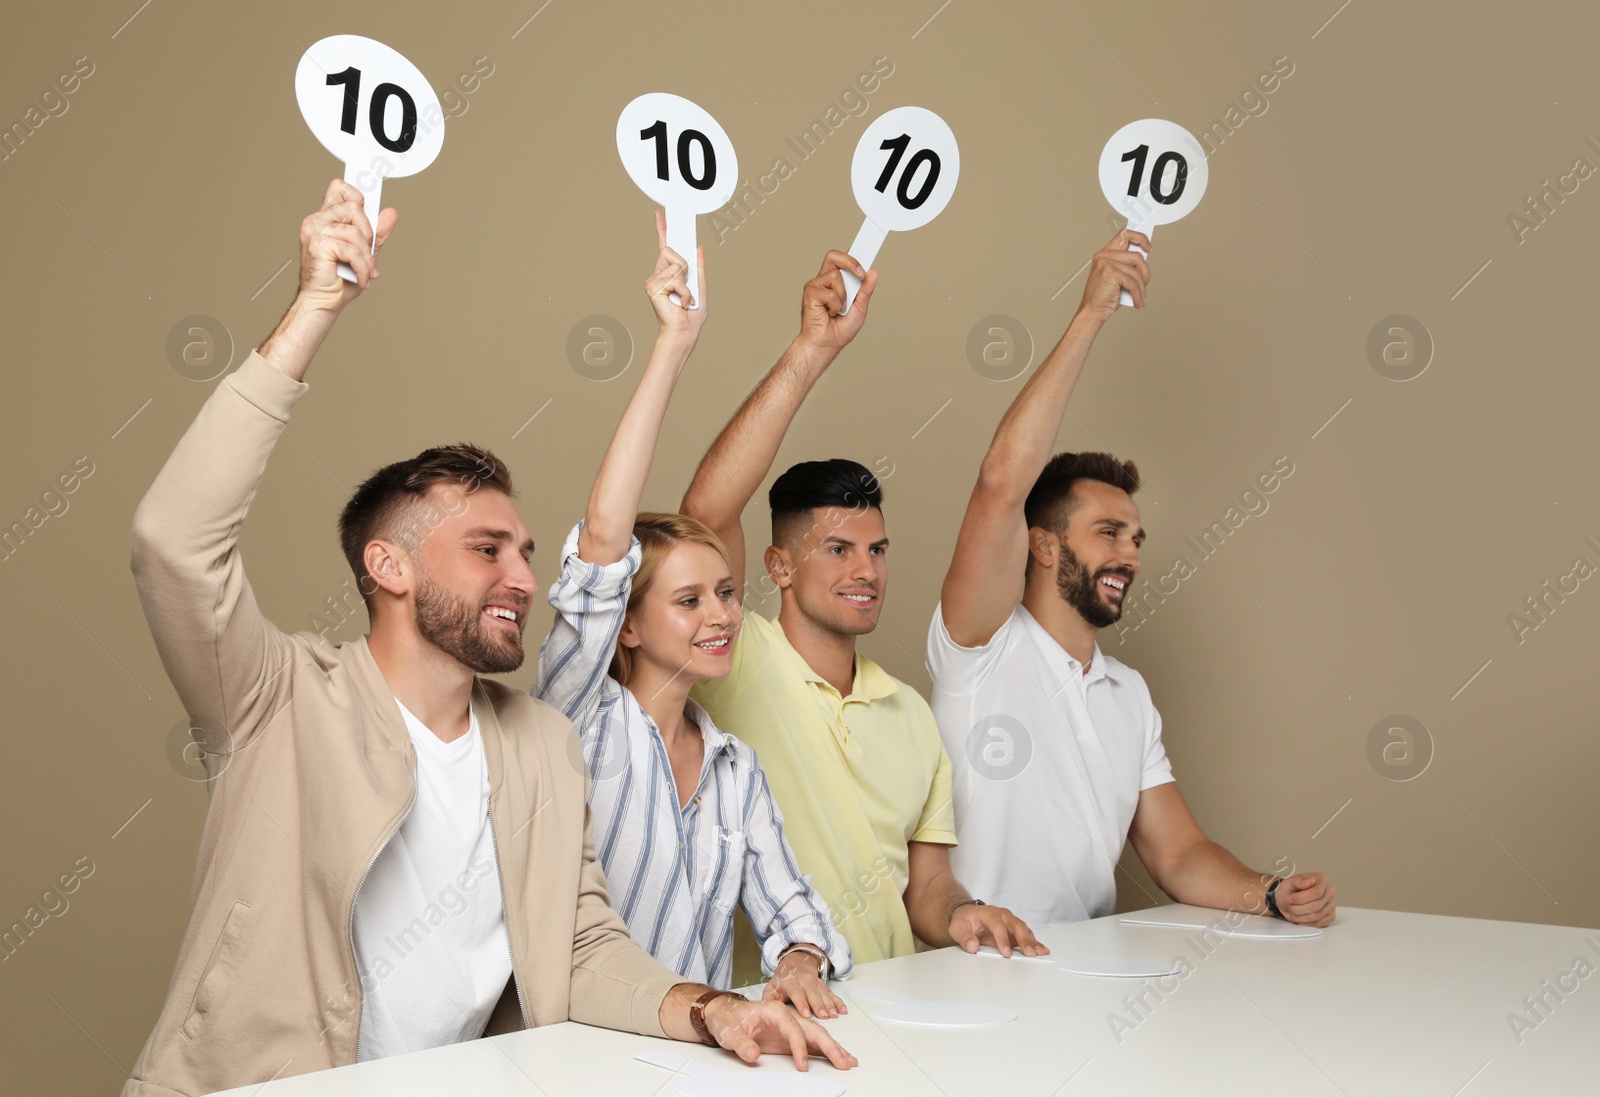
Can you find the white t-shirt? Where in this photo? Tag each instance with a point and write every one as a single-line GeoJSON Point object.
{"type": "Point", "coordinates": [1048, 765]}
{"type": "Point", "coordinates": [430, 930]}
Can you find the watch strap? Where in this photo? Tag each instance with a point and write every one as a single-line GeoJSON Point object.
{"type": "Point", "coordinates": [824, 965]}
{"type": "Point", "coordinates": [1272, 897]}
{"type": "Point", "coordinates": [958, 904]}
{"type": "Point", "coordinates": [697, 1014]}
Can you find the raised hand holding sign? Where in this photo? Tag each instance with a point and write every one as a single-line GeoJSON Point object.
{"type": "Point", "coordinates": [373, 110]}
{"type": "Point", "coordinates": [904, 172]}
{"type": "Point", "coordinates": [1153, 172]}
{"type": "Point", "coordinates": [682, 159]}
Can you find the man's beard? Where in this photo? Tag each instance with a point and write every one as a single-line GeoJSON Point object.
{"type": "Point", "coordinates": [1081, 591]}
{"type": "Point", "coordinates": [458, 629]}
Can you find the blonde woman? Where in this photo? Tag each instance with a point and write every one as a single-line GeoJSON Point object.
{"type": "Point", "coordinates": [684, 822]}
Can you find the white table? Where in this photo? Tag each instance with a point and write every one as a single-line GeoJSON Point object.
{"type": "Point", "coordinates": [1382, 1003]}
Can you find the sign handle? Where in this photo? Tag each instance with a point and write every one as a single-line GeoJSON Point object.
{"type": "Point", "coordinates": [681, 238]}
{"type": "Point", "coordinates": [370, 185]}
{"type": "Point", "coordinates": [863, 251]}
{"type": "Point", "coordinates": [1124, 298]}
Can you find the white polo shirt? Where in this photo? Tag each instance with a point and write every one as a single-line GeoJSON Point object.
{"type": "Point", "coordinates": [1048, 765]}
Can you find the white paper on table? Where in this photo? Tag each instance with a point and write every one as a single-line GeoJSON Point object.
{"type": "Point", "coordinates": [1016, 954]}
{"type": "Point", "coordinates": [904, 1009]}
{"type": "Point", "coordinates": [1121, 967]}
{"type": "Point", "coordinates": [697, 1079]}
{"type": "Point", "coordinates": [1184, 916]}
{"type": "Point", "coordinates": [1118, 967]}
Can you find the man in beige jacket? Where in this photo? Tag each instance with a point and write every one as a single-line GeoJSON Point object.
{"type": "Point", "coordinates": [397, 852]}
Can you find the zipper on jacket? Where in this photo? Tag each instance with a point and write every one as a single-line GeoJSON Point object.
{"type": "Point", "coordinates": [511, 953]}
{"type": "Point", "coordinates": [350, 933]}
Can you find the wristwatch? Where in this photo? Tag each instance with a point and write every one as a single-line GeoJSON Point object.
{"type": "Point", "coordinates": [697, 1014]}
{"type": "Point", "coordinates": [1272, 898]}
{"type": "Point", "coordinates": [824, 966]}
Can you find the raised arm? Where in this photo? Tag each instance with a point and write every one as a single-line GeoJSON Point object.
{"type": "Point", "coordinates": [224, 658]}
{"type": "Point", "coordinates": [740, 458]}
{"type": "Point", "coordinates": [614, 500]}
{"type": "Point", "coordinates": [591, 596]}
{"type": "Point", "coordinates": [985, 577]}
{"type": "Point", "coordinates": [338, 232]}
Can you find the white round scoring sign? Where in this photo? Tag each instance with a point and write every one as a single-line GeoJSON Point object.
{"type": "Point", "coordinates": [372, 109]}
{"type": "Point", "coordinates": [1153, 172]}
{"type": "Point", "coordinates": [677, 154]}
{"type": "Point", "coordinates": [369, 106]}
{"type": "Point", "coordinates": [682, 159]}
{"type": "Point", "coordinates": [903, 174]}
{"type": "Point", "coordinates": [905, 169]}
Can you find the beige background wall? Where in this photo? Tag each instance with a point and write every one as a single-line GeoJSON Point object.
{"type": "Point", "coordinates": [1379, 582]}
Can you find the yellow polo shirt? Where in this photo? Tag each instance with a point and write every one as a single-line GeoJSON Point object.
{"type": "Point", "coordinates": [857, 777]}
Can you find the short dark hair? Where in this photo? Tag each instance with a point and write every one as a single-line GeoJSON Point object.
{"type": "Point", "coordinates": [386, 505]}
{"type": "Point", "coordinates": [811, 484]}
{"type": "Point", "coordinates": [1051, 503]}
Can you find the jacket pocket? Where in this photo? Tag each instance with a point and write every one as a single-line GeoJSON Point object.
{"type": "Point", "coordinates": [217, 977]}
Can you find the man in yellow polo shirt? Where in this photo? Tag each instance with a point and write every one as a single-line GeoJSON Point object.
{"type": "Point", "coordinates": [853, 756]}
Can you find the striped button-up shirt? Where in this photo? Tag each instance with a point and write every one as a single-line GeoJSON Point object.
{"type": "Point", "coordinates": [675, 875]}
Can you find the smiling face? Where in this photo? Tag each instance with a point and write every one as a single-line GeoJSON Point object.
{"type": "Point", "coordinates": [472, 586]}
{"type": "Point", "coordinates": [683, 626]}
{"type": "Point", "coordinates": [836, 568]}
{"type": "Point", "coordinates": [1099, 556]}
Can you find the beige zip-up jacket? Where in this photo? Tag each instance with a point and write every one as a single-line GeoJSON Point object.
{"type": "Point", "coordinates": [310, 772]}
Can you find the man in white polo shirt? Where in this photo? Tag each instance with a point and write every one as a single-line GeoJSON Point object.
{"type": "Point", "coordinates": [1056, 747]}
